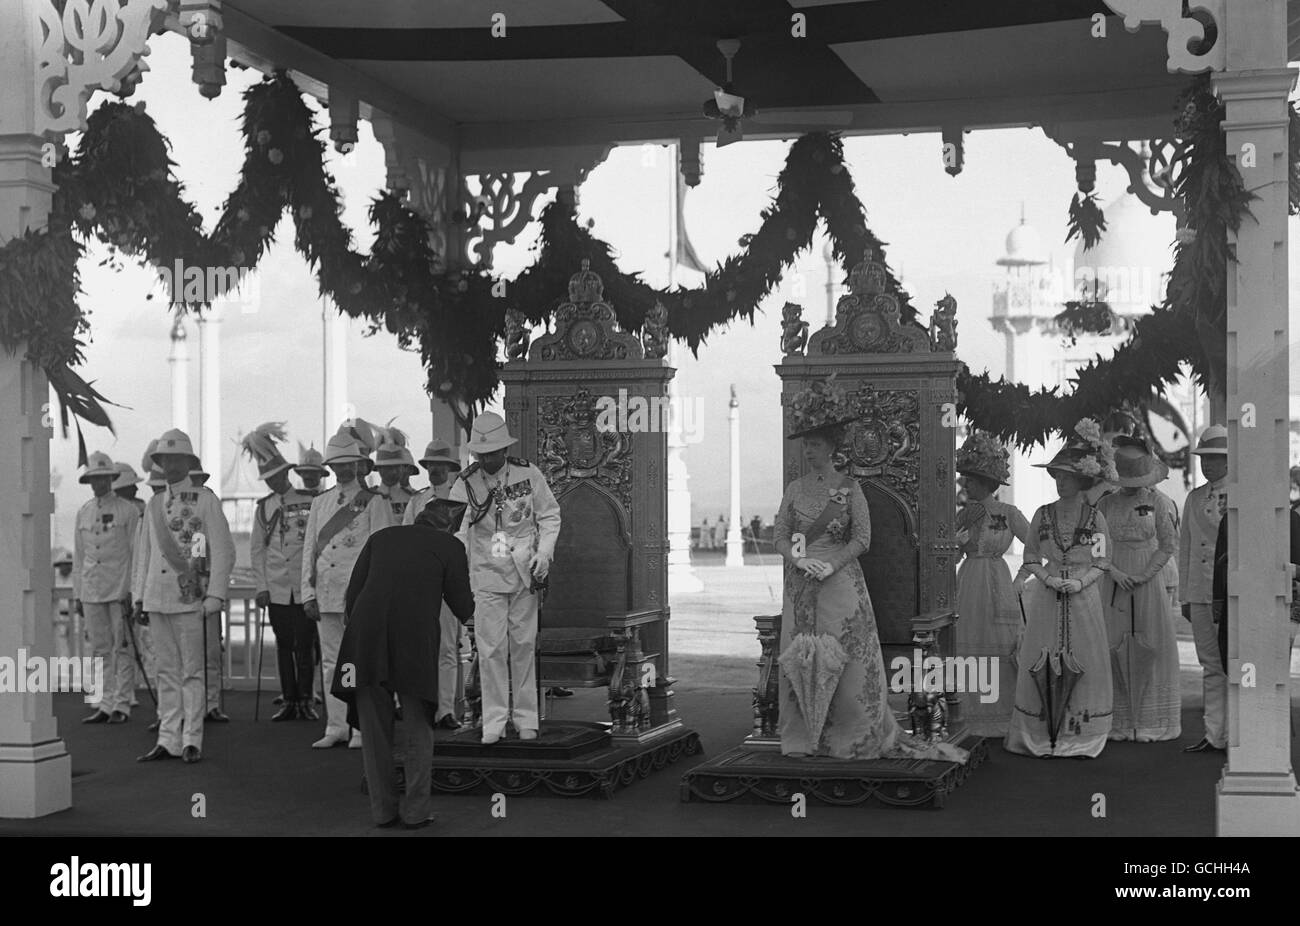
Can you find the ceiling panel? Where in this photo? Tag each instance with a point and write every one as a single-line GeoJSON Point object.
{"type": "Point", "coordinates": [488, 91]}
{"type": "Point", "coordinates": [1026, 61]}
{"type": "Point", "coordinates": [444, 14]}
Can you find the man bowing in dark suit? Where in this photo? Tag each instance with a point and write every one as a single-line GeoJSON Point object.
{"type": "Point", "coordinates": [390, 647]}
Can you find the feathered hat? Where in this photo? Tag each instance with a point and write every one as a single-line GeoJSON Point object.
{"type": "Point", "coordinates": [392, 449]}
{"type": "Point", "coordinates": [361, 431]}
{"type": "Point", "coordinates": [983, 455]}
{"type": "Point", "coordinates": [260, 445]}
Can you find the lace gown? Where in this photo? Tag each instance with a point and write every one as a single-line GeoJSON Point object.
{"type": "Point", "coordinates": [1144, 537]}
{"type": "Point", "coordinates": [989, 621]}
{"type": "Point", "coordinates": [1058, 624]}
{"type": "Point", "coordinates": [860, 724]}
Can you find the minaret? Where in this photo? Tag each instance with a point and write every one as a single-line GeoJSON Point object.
{"type": "Point", "coordinates": [179, 359]}
{"type": "Point", "coordinates": [735, 545]}
{"type": "Point", "coordinates": [828, 254]}
{"type": "Point", "coordinates": [210, 449]}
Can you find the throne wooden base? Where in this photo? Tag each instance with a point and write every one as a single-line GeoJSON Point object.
{"type": "Point", "coordinates": [568, 758]}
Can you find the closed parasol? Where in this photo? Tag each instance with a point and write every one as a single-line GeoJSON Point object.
{"type": "Point", "coordinates": [1055, 674]}
{"type": "Point", "coordinates": [1133, 658]}
{"type": "Point", "coordinates": [813, 664]}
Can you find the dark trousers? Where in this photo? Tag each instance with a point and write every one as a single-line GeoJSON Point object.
{"type": "Point", "coordinates": [295, 650]}
{"type": "Point", "coordinates": [376, 715]}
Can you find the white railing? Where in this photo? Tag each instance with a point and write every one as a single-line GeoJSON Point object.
{"type": "Point", "coordinates": [240, 630]}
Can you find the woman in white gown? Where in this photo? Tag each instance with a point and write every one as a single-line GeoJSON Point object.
{"type": "Point", "coordinates": [1063, 685]}
{"type": "Point", "coordinates": [989, 621]}
{"type": "Point", "coordinates": [1143, 525]}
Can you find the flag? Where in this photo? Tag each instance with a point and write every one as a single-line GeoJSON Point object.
{"type": "Point", "coordinates": [685, 255]}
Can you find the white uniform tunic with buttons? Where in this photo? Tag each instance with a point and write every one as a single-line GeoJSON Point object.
{"type": "Point", "coordinates": [277, 558]}
{"type": "Point", "coordinates": [333, 570]}
{"type": "Point", "coordinates": [521, 520]}
{"type": "Point", "coordinates": [101, 578]}
{"type": "Point", "coordinates": [189, 512]}
{"type": "Point", "coordinates": [1200, 529]}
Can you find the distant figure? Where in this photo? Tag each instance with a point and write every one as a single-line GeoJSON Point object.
{"type": "Point", "coordinates": [720, 533]}
{"type": "Point", "coordinates": [755, 528]}
{"type": "Point", "coordinates": [706, 535]}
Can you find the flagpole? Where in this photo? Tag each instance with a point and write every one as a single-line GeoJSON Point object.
{"type": "Point", "coordinates": [681, 578]}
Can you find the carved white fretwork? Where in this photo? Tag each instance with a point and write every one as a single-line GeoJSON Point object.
{"type": "Point", "coordinates": [500, 212]}
{"type": "Point", "coordinates": [89, 46]}
{"type": "Point", "coordinates": [1154, 167]}
{"type": "Point", "coordinates": [1182, 30]}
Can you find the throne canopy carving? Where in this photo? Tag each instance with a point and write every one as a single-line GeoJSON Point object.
{"type": "Point", "coordinates": [868, 319]}
{"type": "Point", "coordinates": [585, 326]}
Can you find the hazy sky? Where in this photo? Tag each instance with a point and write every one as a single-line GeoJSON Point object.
{"type": "Point", "coordinates": [944, 233]}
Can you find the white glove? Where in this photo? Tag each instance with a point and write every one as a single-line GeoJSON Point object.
{"type": "Point", "coordinates": [540, 565]}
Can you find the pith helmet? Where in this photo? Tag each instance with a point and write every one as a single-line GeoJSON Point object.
{"type": "Point", "coordinates": [175, 441]}
{"type": "Point", "coordinates": [439, 451]}
{"type": "Point", "coordinates": [99, 464]}
{"type": "Point", "coordinates": [126, 476]}
{"type": "Point", "coordinates": [310, 460]}
{"type": "Point", "coordinates": [1213, 442]}
{"type": "Point", "coordinates": [343, 449]}
{"type": "Point", "coordinates": [489, 433]}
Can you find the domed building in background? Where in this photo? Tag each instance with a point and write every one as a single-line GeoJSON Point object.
{"type": "Point", "coordinates": [1127, 269]}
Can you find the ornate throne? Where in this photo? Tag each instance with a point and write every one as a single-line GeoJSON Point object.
{"type": "Point", "coordinates": [584, 404]}
{"type": "Point", "coordinates": [901, 380]}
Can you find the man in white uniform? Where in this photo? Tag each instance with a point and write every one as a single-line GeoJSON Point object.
{"type": "Point", "coordinates": [1200, 528]}
{"type": "Point", "coordinates": [509, 532]}
{"type": "Point", "coordinates": [182, 578]}
{"type": "Point", "coordinates": [340, 522]}
{"type": "Point", "coordinates": [101, 585]}
{"type": "Point", "coordinates": [439, 464]}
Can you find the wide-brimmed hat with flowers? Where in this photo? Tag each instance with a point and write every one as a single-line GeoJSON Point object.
{"type": "Point", "coordinates": [820, 407]}
{"type": "Point", "coordinates": [1085, 454]}
{"type": "Point", "coordinates": [982, 455]}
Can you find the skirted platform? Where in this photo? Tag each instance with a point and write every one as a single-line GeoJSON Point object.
{"type": "Point", "coordinates": [568, 758]}
{"type": "Point", "coordinates": [751, 774]}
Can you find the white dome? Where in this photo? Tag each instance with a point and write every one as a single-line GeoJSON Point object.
{"type": "Point", "coordinates": [1131, 260]}
{"type": "Point", "coordinates": [1024, 247]}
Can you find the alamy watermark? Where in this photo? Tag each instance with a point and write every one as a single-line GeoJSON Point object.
{"type": "Point", "coordinates": [635, 414]}
{"type": "Point", "coordinates": [27, 674]}
{"type": "Point", "coordinates": [960, 674]}
{"type": "Point", "coordinates": [193, 284]}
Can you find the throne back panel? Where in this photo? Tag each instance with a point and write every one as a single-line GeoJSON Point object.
{"type": "Point", "coordinates": [891, 568]}
{"type": "Point", "coordinates": [591, 575]}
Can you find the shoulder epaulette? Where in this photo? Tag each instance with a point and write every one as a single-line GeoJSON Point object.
{"type": "Point", "coordinates": [519, 461]}
{"type": "Point", "coordinates": [266, 498]}
{"type": "Point", "coordinates": [469, 470]}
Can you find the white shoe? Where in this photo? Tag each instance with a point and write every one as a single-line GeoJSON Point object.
{"type": "Point", "coordinates": [355, 742]}
{"type": "Point", "coordinates": [328, 742]}
{"type": "Point", "coordinates": [490, 738]}
{"type": "Point", "coordinates": [528, 734]}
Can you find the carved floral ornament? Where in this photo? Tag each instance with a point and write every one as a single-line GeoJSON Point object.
{"type": "Point", "coordinates": [572, 447]}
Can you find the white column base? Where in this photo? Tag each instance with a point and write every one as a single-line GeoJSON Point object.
{"type": "Point", "coordinates": [735, 549]}
{"type": "Point", "coordinates": [1257, 804]}
{"type": "Point", "coordinates": [35, 779]}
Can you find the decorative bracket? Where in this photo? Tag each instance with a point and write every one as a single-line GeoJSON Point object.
{"type": "Point", "coordinates": [1182, 31]}
{"type": "Point", "coordinates": [954, 150]}
{"type": "Point", "coordinates": [203, 24]}
{"type": "Point", "coordinates": [416, 167]}
{"type": "Point", "coordinates": [84, 49]}
{"type": "Point", "coordinates": [1154, 167]}
{"type": "Point", "coordinates": [508, 211]}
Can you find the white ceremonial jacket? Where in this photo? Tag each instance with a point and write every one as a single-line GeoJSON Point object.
{"type": "Point", "coordinates": [523, 514]}
{"type": "Point", "coordinates": [334, 560]}
{"type": "Point", "coordinates": [188, 511]}
{"type": "Point", "coordinates": [102, 548]}
{"type": "Point", "coordinates": [1200, 528]}
{"type": "Point", "coordinates": [398, 497]}
{"type": "Point", "coordinates": [422, 498]}
{"type": "Point", "coordinates": [275, 548]}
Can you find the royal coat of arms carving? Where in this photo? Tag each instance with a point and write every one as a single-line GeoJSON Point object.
{"type": "Point", "coordinates": [884, 443]}
{"type": "Point", "coordinates": [573, 447]}
{"type": "Point", "coordinates": [868, 320]}
{"type": "Point", "coordinates": [585, 326]}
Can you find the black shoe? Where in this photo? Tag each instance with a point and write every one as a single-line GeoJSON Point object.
{"type": "Point", "coordinates": [155, 754]}
{"type": "Point", "coordinates": [558, 692]}
{"type": "Point", "coordinates": [1204, 746]}
{"type": "Point", "coordinates": [119, 717]}
{"type": "Point", "coordinates": [447, 723]}
{"type": "Point", "coordinates": [306, 711]}
{"type": "Point", "coordinates": [191, 754]}
{"type": "Point", "coordinates": [288, 712]}
{"type": "Point", "coordinates": [390, 824]}
{"type": "Point", "coordinates": [417, 826]}
{"type": "Point", "coordinates": [97, 717]}
{"type": "Point", "coordinates": [153, 727]}
{"type": "Point", "coordinates": [279, 699]}
{"type": "Point", "coordinates": [216, 715]}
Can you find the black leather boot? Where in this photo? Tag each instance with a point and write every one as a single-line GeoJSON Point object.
{"type": "Point", "coordinates": [288, 712]}
{"type": "Point", "coordinates": [306, 711]}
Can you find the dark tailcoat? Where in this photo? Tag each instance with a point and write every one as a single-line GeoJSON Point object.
{"type": "Point", "coordinates": [393, 603]}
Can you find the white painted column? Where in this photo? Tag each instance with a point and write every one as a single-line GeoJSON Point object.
{"type": "Point", "coordinates": [735, 543]}
{"type": "Point", "coordinates": [179, 360]}
{"type": "Point", "coordinates": [210, 394]}
{"type": "Point", "coordinates": [35, 768]}
{"type": "Point", "coordinates": [681, 577]}
{"type": "Point", "coordinates": [1257, 794]}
